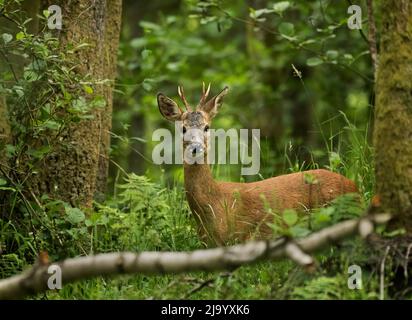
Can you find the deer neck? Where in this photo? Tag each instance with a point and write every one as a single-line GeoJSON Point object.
{"type": "Point", "coordinates": [203, 195]}
{"type": "Point", "coordinates": [199, 180]}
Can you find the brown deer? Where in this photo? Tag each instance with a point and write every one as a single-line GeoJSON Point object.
{"type": "Point", "coordinates": [228, 211]}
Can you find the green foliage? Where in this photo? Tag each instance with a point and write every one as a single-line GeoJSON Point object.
{"type": "Point", "coordinates": [143, 217]}
{"type": "Point", "coordinates": [290, 223]}
{"type": "Point", "coordinates": [251, 49]}
{"type": "Point", "coordinates": [279, 59]}
{"type": "Point", "coordinates": [45, 96]}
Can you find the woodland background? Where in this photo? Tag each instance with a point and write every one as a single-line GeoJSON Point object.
{"type": "Point", "coordinates": [75, 146]}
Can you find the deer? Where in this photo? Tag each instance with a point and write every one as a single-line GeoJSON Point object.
{"type": "Point", "coordinates": [230, 212]}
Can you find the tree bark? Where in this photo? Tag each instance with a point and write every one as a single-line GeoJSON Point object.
{"type": "Point", "coordinates": [78, 170]}
{"type": "Point", "coordinates": [393, 115]}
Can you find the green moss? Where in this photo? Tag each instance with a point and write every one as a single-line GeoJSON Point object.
{"type": "Point", "coordinates": [393, 115]}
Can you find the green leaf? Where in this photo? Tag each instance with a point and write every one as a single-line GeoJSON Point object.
{"type": "Point", "coordinates": [20, 35]}
{"type": "Point", "coordinates": [260, 12]}
{"type": "Point", "coordinates": [348, 57]}
{"type": "Point", "coordinates": [149, 25]}
{"type": "Point", "coordinates": [10, 150]}
{"type": "Point", "coordinates": [146, 53]}
{"type": "Point", "coordinates": [290, 216]}
{"type": "Point", "coordinates": [287, 28]}
{"type": "Point", "coordinates": [39, 152]}
{"type": "Point", "coordinates": [30, 75]}
{"type": "Point", "coordinates": [314, 61]}
{"type": "Point", "coordinates": [299, 232]}
{"type": "Point", "coordinates": [98, 102]}
{"type": "Point", "coordinates": [52, 125]}
{"type": "Point", "coordinates": [395, 233]}
{"type": "Point", "coordinates": [334, 159]}
{"type": "Point", "coordinates": [332, 54]}
{"type": "Point", "coordinates": [7, 37]}
{"type": "Point", "coordinates": [7, 189]}
{"type": "Point", "coordinates": [88, 89]}
{"type": "Point", "coordinates": [46, 13]}
{"type": "Point", "coordinates": [324, 215]}
{"type": "Point", "coordinates": [281, 6]}
{"type": "Point", "coordinates": [74, 215]}
{"type": "Point", "coordinates": [310, 178]}
{"type": "Point", "coordinates": [147, 84]}
{"type": "Point", "coordinates": [275, 227]}
{"type": "Point", "coordinates": [2, 182]}
{"type": "Point", "coordinates": [308, 41]}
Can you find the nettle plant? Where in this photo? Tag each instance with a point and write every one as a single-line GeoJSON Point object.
{"type": "Point", "coordinates": [47, 95]}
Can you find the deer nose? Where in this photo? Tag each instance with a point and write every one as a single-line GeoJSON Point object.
{"type": "Point", "coordinates": [195, 149]}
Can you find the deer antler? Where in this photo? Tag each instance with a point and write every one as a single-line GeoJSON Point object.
{"type": "Point", "coordinates": [182, 96]}
{"type": "Point", "coordinates": [205, 94]}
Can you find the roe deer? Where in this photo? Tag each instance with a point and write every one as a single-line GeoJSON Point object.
{"type": "Point", "coordinates": [228, 211]}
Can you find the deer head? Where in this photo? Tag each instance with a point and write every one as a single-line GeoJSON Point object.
{"type": "Point", "coordinates": [195, 123]}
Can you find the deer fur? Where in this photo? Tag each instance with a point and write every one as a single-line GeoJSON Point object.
{"type": "Point", "coordinates": [228, 212]}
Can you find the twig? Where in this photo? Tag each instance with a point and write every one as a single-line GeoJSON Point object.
{"type": "Point", "coordinates": [382, 276]}
{"type": "Point", "coordinates": [199, 287]}
{"type": "Point", "coordinates": [206, 283]}
{"type": "Point", "coordinates": [405, 268]}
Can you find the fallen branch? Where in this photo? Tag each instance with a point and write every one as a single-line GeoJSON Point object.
{"type": "Point", "coordinates": [35, 280]}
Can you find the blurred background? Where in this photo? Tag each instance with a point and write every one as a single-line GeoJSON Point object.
{"type": "Point", "coordinates": [295, 71]}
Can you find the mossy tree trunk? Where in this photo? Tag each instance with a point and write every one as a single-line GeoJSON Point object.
{"type": "Point", "coordinates": [77, 172]}
{"type": "Point", "coordinates": [4, 131]}
{"type": "Point", "coordinates": [393, 116]}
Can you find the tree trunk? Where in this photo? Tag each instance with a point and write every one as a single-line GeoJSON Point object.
{"type": "Point", "coordinates": [393, 115]}
{"type": "Point", "coordinates": [4, 132]}
{"type": "Point", "coordinates": [78, 171]}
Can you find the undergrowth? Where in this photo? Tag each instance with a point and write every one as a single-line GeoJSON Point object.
{"type": "Point", "coordinates": [144, 215]}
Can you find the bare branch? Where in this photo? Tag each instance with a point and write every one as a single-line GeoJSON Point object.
{"type": "Point", "coordinates": [224, 258]}
{"type": "Point", "coordinates": [296, 254]}
{"type": "Point", "coordinates": [405, 266]}
{"type": "Point", "coordinates": [382, 275]}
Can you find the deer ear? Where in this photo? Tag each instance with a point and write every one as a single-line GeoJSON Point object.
{"type": "Point", "coordinates": [212, 106]}
{"type": "Point", "coordinates": [168, 108]}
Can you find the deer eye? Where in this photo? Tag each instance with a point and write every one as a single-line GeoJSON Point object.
{"type": "Point", "coordinates": [206, 128]}
{"type": "Point", "coordinates": [184, 130]}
